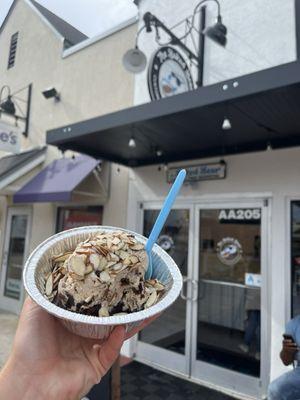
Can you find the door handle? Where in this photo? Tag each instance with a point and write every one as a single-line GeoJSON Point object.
{"type": "Point", "coordinates": [194, 290]}
{"type": "Point", "coordinates": [182, 294]}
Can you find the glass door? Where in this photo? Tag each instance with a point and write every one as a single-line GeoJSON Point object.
{"type": "Point", "coordinates": [14, 255]}
{"type": "Point", "coordinates": [166, 342]}
{"type": "Point", "coordinates": [230, 249]}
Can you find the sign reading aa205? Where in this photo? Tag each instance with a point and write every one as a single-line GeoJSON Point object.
{"type": "Point", "coordinates": [242, 214]}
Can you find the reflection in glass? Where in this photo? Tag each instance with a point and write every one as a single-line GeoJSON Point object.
{"type": "Point", "coordinates": [229, 289]}
{"type": "Point", "coordinates": [15, 259]}
{"type": "Point", "coordinates": [169, 332]}
{"type": "Point", "coordinates": [295, 257]}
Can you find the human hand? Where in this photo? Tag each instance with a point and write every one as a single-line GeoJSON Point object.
{"type": "Point", "coordinates": [288, 352]}
{"type": "Point", "coordinates": [49, 362]}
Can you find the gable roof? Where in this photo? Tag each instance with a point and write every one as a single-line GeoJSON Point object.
{"type": "Point", "coordinates": [71, 35]}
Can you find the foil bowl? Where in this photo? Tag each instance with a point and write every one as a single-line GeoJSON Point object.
{"type": "Point", "coordinates": [38, 267]}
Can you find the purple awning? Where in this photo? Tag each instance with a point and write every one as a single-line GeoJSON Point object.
{"type": "Point", "coordinates": [57, 181]}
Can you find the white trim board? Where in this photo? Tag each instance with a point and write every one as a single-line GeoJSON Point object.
{"type": "Point", "coordinates": [22, 171]}
{"type": "Point", "coordinates": [88, 42]}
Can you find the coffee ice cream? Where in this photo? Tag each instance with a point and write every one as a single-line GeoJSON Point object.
{"type": "Point", "coordinates": [103, 276]}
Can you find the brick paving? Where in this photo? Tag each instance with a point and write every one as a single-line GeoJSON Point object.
{"type": "Point", "coordinates": [142, 382]}
{"type": "Point", "coordinates": [8, 325]}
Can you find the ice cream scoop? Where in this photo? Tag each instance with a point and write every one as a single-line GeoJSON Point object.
{"type": "Point", "coordinates": [162, 217]}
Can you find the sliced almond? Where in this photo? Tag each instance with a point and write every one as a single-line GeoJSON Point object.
{"type": "Point", "coordinates": [134, 259]}
{"type": "Point", "coordinates": [76, 277]}
{"type": "Point", "coordinates": [104, 276]}
{"type": "Point", "coordinates": [87, 245]}
{"type": "Point", "coordinates": [116, 240]}
{"type": "Point", "coordinates": [114, 257]}
{"type": "Point", "coordinates": [88, 299]}
{"type": "Point", "coordinates": [57, 278]}
{"type": "Point", "coordinates": [159, 286]}
{"type": "Point", "coordinates": [120, 313]}
{"type": "Point", "coordinates": [89, 269]}
{"type": "Point", "coordinates": [151, 300]}
{"type": "Point", "coordinates": [109, 243]}
{"type": "Point", "coordinates": [62, 257]}
{"type": "Point", "coordinates": [137, 247]}
{"type": "Point", "coordinates": [95, 260]}
{"type": "Point", "coordinates": [110, 264]}
{"type": "Point", "coordinates": [123, 254]}
{"type": "Point", "coordinates": [118, 267]}
{"type": "Point", "coordinates": [77, 264]}
{"type": "Point", "coordinates": [103, 312]}
{"type": "Point", "coordinates": [102, 264]}
{"type": "Point", "coordinates": [49, 285]}
{"type": "Point", "coordinates": [127, 261]}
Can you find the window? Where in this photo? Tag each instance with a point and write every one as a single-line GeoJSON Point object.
{"type": "Point", "coordinates": [295, 257]}
{"type": "Point", "coordinates": [73, 217]}
{"type": "Point", "coordinates": [12, 50]}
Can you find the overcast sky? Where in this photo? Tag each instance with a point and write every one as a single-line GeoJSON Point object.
{"type": "Point", "coordinates": [89, 16]}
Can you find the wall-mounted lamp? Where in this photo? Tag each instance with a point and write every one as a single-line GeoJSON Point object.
{"type": "Point", "coordinates": [135, 60]}
{"type": "Point", "coordinates": [17, 105]}
{"type": "Point", "coordinates": [51, 93]}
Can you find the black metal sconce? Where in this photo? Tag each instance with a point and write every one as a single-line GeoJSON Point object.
{"type": "Point", "coordinates": [13, 105]}
{"type": "Point", "coordinates": [135, 60]}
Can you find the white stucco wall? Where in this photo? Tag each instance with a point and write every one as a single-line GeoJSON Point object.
{"type": "Point", "coordinates": [91, 82]}
{"type": "Point", "coordinates": [273, 174]}
{"type": "Point", "coordinates": [261, 34]}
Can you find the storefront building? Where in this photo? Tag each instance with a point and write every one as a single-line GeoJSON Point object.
{"type": "Point", "coordinates": [234, 229]}
{"type": "Point", "coordinates": [54, 75]}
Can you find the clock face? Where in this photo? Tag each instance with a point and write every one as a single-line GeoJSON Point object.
{"type": "Point", "coordinates": [168, 74]}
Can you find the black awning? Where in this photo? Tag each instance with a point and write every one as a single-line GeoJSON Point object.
{"type": "Point", "coordinates": [263, 107]}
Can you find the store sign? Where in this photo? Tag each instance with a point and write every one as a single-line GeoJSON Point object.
{"type": "Point", "coordinates": [253, 280]}
{"type": "Point", "coordinates": [10, 137]}
{"type": "Point", "coordinates": [168, 74]}
{"type": "Point", "coordinates": [199, 172]}
{"type": "Point", "coordinates": [229, 251]}
{"type": "Point", "coordinates": [243, 214]}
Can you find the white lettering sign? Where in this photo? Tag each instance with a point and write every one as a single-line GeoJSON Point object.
{"type": "Point", "coordinates": [199, 172]}
{"type": "Point", "coordinates": [240, 214]}
{"type": "Point", "coordinates": [10, 137]}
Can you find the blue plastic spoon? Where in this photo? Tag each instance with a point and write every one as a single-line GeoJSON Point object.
{"type": "Point", "coordinates": [161, 219]}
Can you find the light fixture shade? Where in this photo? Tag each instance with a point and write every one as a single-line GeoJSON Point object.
{"type": "Point", "coordinates": [8, 106]}
{"type": "Point", "coordinates": [226, 124]}
{"type": "Point", "coordinates": [217, 32]}
{"type": "Point", "coordinates": [135, 61]}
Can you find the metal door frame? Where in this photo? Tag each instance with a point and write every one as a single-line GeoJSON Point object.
{"type": "Point", "coordinates": [7, 303]}
{"type": "Point", "coordinates": [168, 360]}
{"type": "Point", "coordinates": [222, 377]}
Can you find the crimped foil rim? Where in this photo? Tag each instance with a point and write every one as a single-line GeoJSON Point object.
{"type": "Point", "coordinates": [35, 294]}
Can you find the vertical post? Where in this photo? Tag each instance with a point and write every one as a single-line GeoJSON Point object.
{"type": "Point", "coordinates": [297, 24]}
{"type": "Point", "coordinates": [25, 133]}
{"type": "Point", "coordinates": [201, 47]}
{"type": "Point", "coordinates": [116, 380]}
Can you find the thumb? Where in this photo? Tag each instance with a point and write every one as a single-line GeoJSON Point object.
{"type": "Point", "coordinates": [110, 349]}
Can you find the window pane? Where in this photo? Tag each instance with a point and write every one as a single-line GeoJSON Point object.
{"type": "Point", "coordinates": [174, 239]}
{"type": "Point", "coordinates": [295, 257]}
{"type": "Point", "coordinates": [13, 280]}
{"type": "Point", "coordinates": [69, 217]}
{"type": "Point", "coordinates": [229, 289]}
